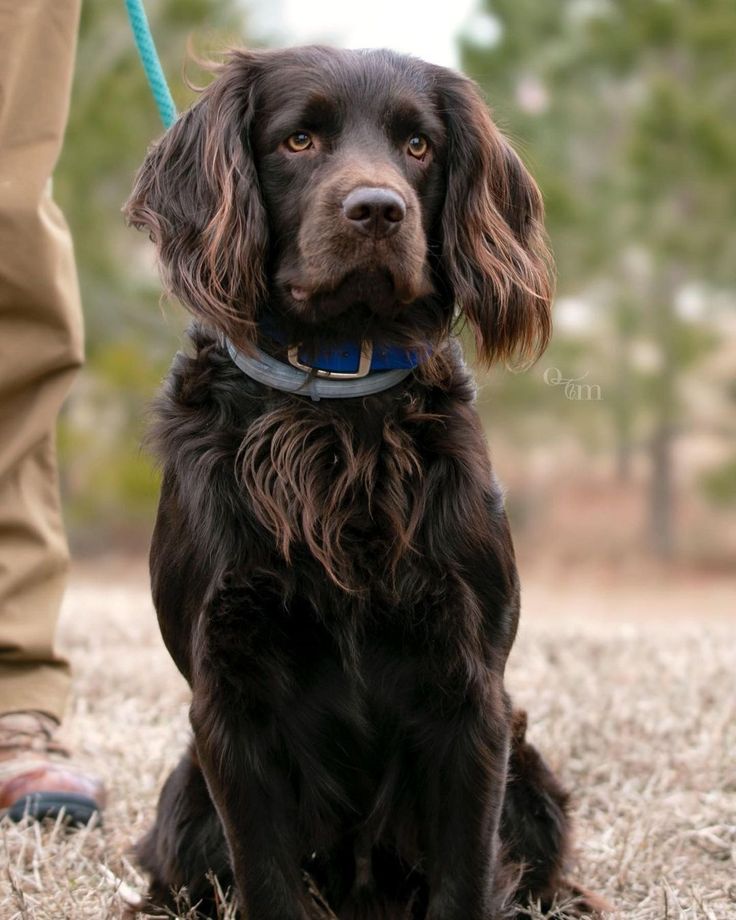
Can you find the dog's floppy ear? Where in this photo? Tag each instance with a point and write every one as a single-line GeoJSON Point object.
{"type": "Point", "coordinates": [493, 245]}
{"type": "Point", "coordinates": [197, 195]}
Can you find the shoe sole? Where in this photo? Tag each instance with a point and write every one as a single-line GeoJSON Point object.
{"type": "Point", "coordinates": [77, 810]}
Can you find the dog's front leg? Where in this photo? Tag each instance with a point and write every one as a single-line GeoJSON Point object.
{"type": "Point", "coordinates": [465, 801]}
{"type": "Point", "coordinates": [250, 790]}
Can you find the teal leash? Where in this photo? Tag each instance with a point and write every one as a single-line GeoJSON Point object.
{"type": "Point", "coordinates": [151, 62]}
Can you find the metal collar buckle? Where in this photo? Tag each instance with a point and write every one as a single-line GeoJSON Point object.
{"type": "Point", "coordinates": [364, 365]}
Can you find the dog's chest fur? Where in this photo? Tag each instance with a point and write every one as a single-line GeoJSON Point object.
{"type": "Point", "coordinates": [334, 486]}
{"type": "Point", "coordinates": [348, 486]}
{"type": "Point", "coordinates": [356, 517]}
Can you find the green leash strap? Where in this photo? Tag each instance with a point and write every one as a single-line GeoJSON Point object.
{"type": "Point", "coordinates": [151, 62]}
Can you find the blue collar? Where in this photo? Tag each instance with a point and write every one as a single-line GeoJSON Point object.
{"type": "Point", "coordinates": [350, 370]}
{"type": "Point", "coordinates": [268, 370]}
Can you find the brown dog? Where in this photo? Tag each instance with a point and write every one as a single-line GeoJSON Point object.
{"type": "Point", "coordinates": [334, 576]}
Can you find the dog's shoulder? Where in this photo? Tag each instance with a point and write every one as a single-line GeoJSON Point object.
{"type": "Point", "coordinates": [205, 403]}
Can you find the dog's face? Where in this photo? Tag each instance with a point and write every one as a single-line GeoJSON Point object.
{"type": "Point", "coordinates": [355, 191]}
{"type": "Point", "coordinates": [349, 152]}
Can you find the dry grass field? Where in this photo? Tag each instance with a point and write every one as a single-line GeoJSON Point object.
{"type": "Point", "coordinates": [631, 692]}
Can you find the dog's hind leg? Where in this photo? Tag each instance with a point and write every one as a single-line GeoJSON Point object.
{"type": "Point", "coordinates": [185, 849]}
{"type": "Point", "coordinates": [536, 834]}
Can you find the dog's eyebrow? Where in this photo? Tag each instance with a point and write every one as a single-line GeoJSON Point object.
{"type": "Point", "coordinates": [316, 112]}
{"type": "Point", "coordinates": [407, 114]}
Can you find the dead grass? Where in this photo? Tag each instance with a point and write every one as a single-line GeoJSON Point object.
{"type": "Point", "coordinates": [639, 718]}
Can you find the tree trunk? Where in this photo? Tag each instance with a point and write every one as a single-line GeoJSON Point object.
{"type": "Point", "coordinates": [662, 493]}
{"type": "Point", "coordinates": [623, 409]}
{"type": "Point", "coordinates": [661, 487]}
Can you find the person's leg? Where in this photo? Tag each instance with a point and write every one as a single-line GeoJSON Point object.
{"type": "Point", "coordinates": [41, 350]}
{"type": "Point", "coordinates": [40, 346]}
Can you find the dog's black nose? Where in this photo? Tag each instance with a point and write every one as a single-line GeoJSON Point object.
{"type": "Point", "coordinates": [374, 211]}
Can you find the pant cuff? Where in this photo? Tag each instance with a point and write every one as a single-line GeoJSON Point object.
{"type": "Point", "coordinates": [40, 687]}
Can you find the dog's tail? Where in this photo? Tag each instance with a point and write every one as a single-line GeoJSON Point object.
{"type": "Point", "coordinates": [535, 832]}
{"type": "Point", "coordinates": [184, 853]}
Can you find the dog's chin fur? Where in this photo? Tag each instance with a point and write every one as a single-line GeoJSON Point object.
{"type": "Point", "coordinates": [422, 327]}
{"type": "Point", "coordinates": [370, 291]}
{"type": "Point", "coordinates": [336, 579]}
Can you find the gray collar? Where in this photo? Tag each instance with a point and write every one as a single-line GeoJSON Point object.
{"type": "Point", "coordinates": [274, 373]}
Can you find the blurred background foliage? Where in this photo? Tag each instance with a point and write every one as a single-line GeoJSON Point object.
{"type": "Point", "coordinates": [626, 114]}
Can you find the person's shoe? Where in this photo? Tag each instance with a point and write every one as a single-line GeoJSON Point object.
{"type": "Point", "coordinates": [37, 778]}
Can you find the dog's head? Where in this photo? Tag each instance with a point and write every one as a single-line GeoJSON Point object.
{"type": "Point", "coordinates": [351, 191]}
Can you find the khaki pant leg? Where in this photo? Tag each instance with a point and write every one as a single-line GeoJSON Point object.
{"type": "Point", "coordinates": [41, 346]}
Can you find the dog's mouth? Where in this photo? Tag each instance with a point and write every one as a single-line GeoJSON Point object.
{"type": "Point", "coordinates": [374, 291]}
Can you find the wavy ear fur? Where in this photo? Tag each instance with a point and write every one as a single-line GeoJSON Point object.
{"type": "Point", "coordinates": [493, 244]}
{"type": "Point", "coordinates": [197, 195]}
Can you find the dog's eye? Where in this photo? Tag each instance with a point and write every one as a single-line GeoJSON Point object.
{"type": "Point", "coordinates": [299, 141]}
{"type": "Point", "coordinates": [418, 146]}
